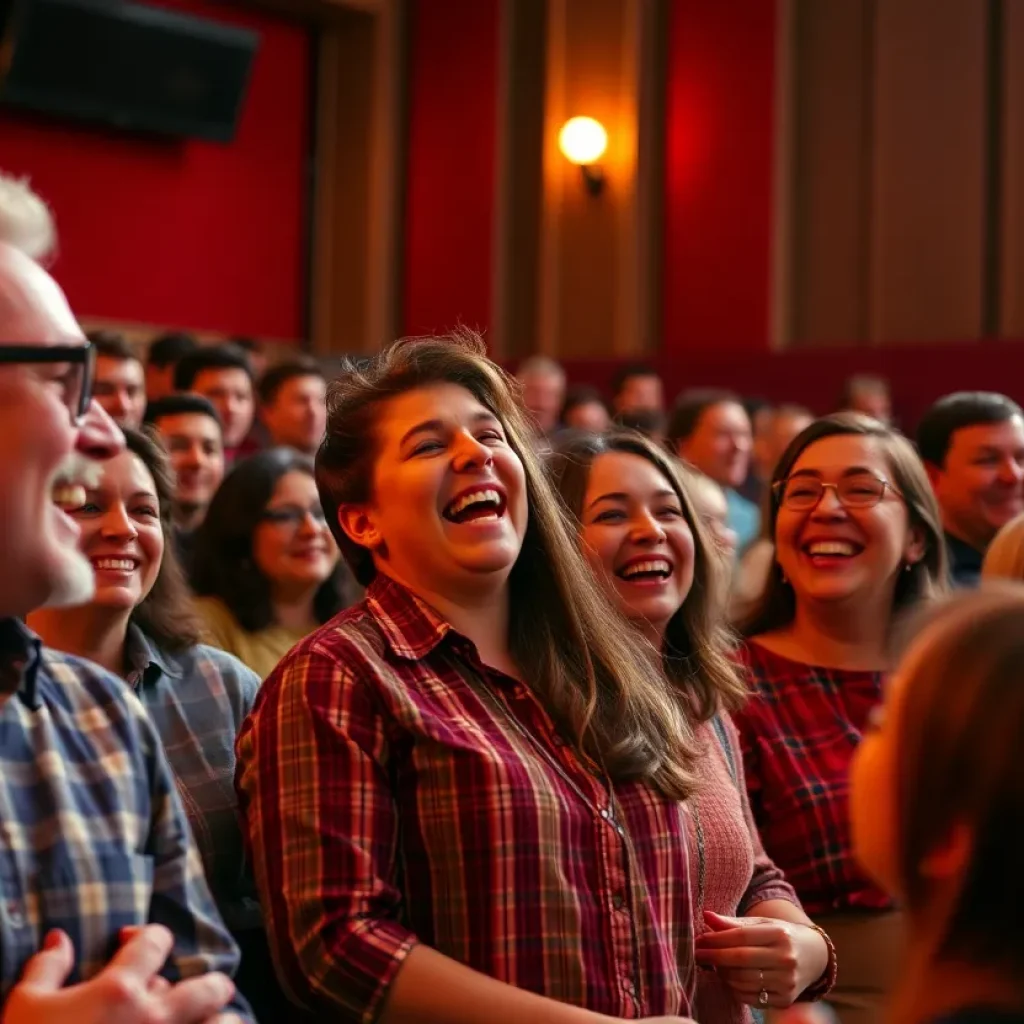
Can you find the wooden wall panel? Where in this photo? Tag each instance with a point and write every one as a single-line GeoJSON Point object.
{"type": "Point", "coordinates": [1011, 214]}
{"type": "Point", "coordinates": [928, 227]}
{"type": "Point", "coordinates": [830, 201]}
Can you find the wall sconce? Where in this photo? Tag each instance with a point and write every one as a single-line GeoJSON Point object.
{"type": "Point", "coordinates": [583, 141]}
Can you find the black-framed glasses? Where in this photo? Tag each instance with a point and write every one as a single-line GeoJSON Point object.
{"type": "Point", "coordinates": [76, 383]}
{"type": "Point", "coordinates": [293, 516]}
{"type": "Point", "coordinates": [859, 490]}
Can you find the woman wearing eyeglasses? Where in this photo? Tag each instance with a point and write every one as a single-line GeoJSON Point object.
{"type": "Point", "coordinates": [266, 568]}
{"type": "Point", "coordinates": [857, 540]}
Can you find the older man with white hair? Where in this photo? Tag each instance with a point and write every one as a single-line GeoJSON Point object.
{"type": "Point", "coordinates": [105, 914]}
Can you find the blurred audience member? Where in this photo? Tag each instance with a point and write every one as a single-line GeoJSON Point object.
{"type": "Point", "coordinates": [1004, 558]}
{"type": "Point", "coordinates": [165, 352]}
{"type": "Point", "coordinates": [139, 626]}
{"type": "Point", "coordinates": [649, 422]}
{"type": "Point", "coordinates": [637, 386]}
{"type": "Point", "coordinates": [709, 501]}
{"type": "Point", "coordinates": [972, 443]}
{"type": "Point", "coordinates": [293, 404]}
{"type": "Point", "coordinates": [867, 394]}
{"type": "Point", "coordinates": [774, 428]}
{"type": "Point", "coordinates": [222, 374]}
{"type": "Point", "coordinates": [936, 798]}
{"type": "Point", "coordinates": [585, 409]}
{"type": "Point", "coordinates": [266, 567]}
{"type": "Point", "coordinates": [120, 381]}
{"type": "Point", "coordinates": [257, 353]}
{"type": "Point", "coordinates": [543, 383]}
{"type": "Point", "coordinates": [190, 430]}
{"type": "Point", "coordinates": [711, 430]}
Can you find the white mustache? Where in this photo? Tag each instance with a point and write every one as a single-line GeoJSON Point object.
{"type": "Point", "coordinates": [77, 469]}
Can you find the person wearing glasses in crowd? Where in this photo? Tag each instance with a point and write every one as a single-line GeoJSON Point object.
{"type": "Point", "coordinates": [106, 913]}
{"type": "Point", "coordinates": [265, 569]}
{"type": "Point", "coordinates": [465, 795]}
{"type": "Point", "coordinates": [858, 541]}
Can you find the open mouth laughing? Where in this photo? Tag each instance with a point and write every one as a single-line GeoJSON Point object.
{"type": "Point", "coordinates": [476, 505]}
{"type": "Point", "coordinates": [646, 569]}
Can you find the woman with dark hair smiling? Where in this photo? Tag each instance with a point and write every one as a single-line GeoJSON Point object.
{"type": "Point", "coordinates": [858, 541]}
{"type": "Point", "coordinates": [140, 626]}
{"type": "Point", "coordinates": [266, 569]}
{"type": "Point", "coordinates": [645, 539]}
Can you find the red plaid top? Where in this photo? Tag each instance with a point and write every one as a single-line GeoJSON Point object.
{"type": "Point", "coordinates": [397, 791]}
{"type": "Point", "coordinates": [798, 732]}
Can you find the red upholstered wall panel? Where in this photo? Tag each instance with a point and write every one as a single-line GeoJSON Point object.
{"type": "Point", "coordinates": [718, 181]}
{"type": "Point", "coordinates": [182, 232]}
{"type": "Point", "coordinates": [452, 149]}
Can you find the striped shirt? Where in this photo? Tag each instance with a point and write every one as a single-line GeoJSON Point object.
{"type": "Point", "coordinates": [93, 837]}
{"type": "Point", "coordinates": [397, 791]}
{"type": "Point", "coordinates": [799, 731]}
{"type": "Point", "coordinates": [196, 699]}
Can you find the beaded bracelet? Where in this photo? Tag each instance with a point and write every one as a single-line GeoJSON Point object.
{"type": "Point", "coordinates": [827, 981]}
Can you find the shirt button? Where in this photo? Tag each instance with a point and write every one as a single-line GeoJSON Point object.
{"type": "Point", "coordinates": [628, 987]}
{"type": "Point", "coordinates": [605, 814]}
{"type": "Point", "coordinates": [619, 901]}
{"type": "Point", "coordinates": [14, 913]}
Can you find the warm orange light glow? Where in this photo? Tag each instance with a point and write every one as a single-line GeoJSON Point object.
{"type": "Point", "coordinates": [583, 140]}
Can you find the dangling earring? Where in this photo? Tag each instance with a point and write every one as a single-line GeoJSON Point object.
{"type": "Point", "coordinates": [909, 567]}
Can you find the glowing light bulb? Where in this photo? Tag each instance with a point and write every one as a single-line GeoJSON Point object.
{"type": "Point", "coordinates": [582, 140]}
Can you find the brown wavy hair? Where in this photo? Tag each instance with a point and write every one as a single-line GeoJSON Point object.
{"type": "Point", "coordinates": [927, 578]}
{"type": "Point", "coordinates": [698, 644]}
{"type": "Point", "coordinates": [574, 647]}
{"type": "Point", "coordinates": [960, 724]}
{"type": "Point", "coordinates": [165, 614]}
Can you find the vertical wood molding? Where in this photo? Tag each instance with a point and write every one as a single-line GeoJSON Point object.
{"type": "Point", "coordinates": [780, 330]}
{"type": "Point", "coordinates": [387, 172]}
{"type": "Point", "coordinates": [359, 175]}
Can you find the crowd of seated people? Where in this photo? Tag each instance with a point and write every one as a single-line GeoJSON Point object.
{"type": "Point", "coordinates": [430, 695]}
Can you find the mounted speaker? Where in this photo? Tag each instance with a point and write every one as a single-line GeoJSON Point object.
{"type": "Point", "coordinates": [125, 64]}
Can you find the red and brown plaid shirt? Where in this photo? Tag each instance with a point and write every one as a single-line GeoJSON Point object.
{"type": "Point", "coordinates": [798, 731]}
{"type": "Point", "coordinates": [397, 792]}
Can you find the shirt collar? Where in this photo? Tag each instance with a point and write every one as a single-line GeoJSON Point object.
{"type": "Point", "coordinates": [145, 662]}
{"type": "Point", "coordinates": [410, 626]}
{"type": "Point", "coordinates": [965, 560]}
{"type": "Point", "coordinates": [20, 657]}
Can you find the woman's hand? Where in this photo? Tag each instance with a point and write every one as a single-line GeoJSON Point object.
{"type": "Point", "coordinates": [760, 957]}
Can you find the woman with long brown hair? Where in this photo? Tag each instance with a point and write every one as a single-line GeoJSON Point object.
{"type": "Point", "coordinates": [937, 801]}
{"type": "Point", "coordinates": [646, 541]}
{"type": "Point", "coordinates": [464, 795]}
{"type": "Point", "coordinates": [857, 541]}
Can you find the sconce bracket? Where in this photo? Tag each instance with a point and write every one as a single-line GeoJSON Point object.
{"type": "Point", "coordinates": [593, 178]}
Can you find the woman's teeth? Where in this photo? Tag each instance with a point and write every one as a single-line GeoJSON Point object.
{"type": "Point", "coordinates": [67, 496]}
{"type": "Point", "coordinates": [114, 564]}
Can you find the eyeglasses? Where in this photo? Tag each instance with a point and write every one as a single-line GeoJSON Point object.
{"type": "Point", "coordinates": [293, 516]}
{"type": "Point", "coordinates": [76, 383]}
{"type": "Point", "coordinates": [861, 490]}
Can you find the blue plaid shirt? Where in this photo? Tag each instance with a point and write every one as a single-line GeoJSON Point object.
{"type": "Point", "coordinates": [197, 699]}
{"type": "Point", "coordinates": [93, 836]}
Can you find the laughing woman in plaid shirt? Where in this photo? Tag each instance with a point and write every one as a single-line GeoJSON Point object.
{"type": "Point", "coordinates": [140, 627]}
{"type": "Point", "coordinates": [857, 541]}
{"type": "Point", "coordinates": [641, 533]}
{"type": "Point", "coordinates": [465, 795]}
